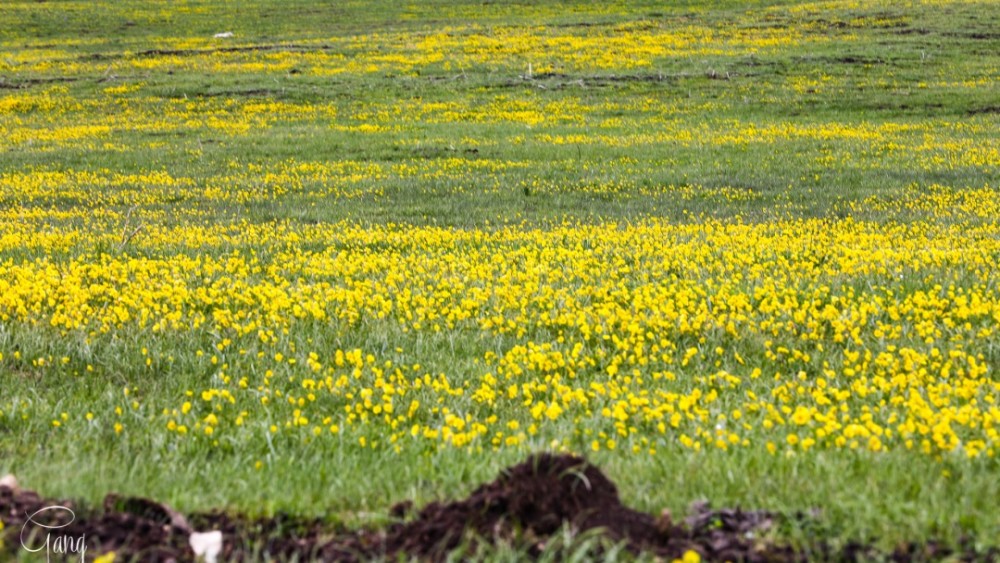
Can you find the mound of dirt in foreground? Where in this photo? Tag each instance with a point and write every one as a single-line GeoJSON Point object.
{"type": "Point", "coordinates": [536, 498]}
{"type": "Point", "coordinates": [526, 506]}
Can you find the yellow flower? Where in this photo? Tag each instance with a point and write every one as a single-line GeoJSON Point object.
{"type": "Point", "coordinates": [690, 556]}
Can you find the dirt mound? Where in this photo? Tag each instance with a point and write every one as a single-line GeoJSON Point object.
{"type": "Point", "coordinates": [526, 506]}
{"type": "Point", "coordinates": [533, 499]}
{"type": "Point", "coordinates": [138, 527]}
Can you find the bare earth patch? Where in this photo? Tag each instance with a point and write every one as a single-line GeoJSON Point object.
{"type": "Point", "coordinates": [527, 506]}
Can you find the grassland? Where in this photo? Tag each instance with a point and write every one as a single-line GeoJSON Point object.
{"type": "Point", "coordinates": [361, 251]}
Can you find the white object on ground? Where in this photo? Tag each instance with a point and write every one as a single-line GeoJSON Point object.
{"type": "Point", "coordinates": [9, 481]}
{"type": "Point", "coordinates": [223, 35]}
{"type": "Point", "coordinates": [206, 545]}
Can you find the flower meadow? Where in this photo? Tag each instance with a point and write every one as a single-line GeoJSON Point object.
{"type": "Point", "coordinates": [754, 243]}
{"type": "Point", "coordinates": [783, 336]}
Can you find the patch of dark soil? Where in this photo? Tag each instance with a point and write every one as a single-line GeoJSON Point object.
{"type": "Point", "coordinates": [548, 76]}
{"type": "Point", "coordinates": [581, 25]}
{"type": "Point", "coordinates": [978, 35]}
{"type": "Point", "coordinates": [147, 533]}
{"type": "Point", "coordinates": [599, 80]}
{"type": "Point", "coordinates": [28, 83]}
{"type": "Point", "coordinates": [255, 92]}
{"type": "Point", "coordinates": [555, 81]}
{"type": "Point", "coordinates": [903, 107]}
{"type": "Point", "coordinates": [286, 47]}
{"type": "Point", "coordinates": [844, 59]}
{"type": "Point", "coordinates": [533, 499]}
{"type": "Point", "coordinates": [239, 49]}
{"type": "Point", "coordinates": [854, 60]}
{"type": "Point", "coordinates": [526, 506]}
{"type": "Point", "coordinates": [984, 110]}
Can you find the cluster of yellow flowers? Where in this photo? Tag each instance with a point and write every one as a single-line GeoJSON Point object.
{"type": "Point", "coordinates": [53, 118]}
{"type": "Point", "coordinates": [787, 335]}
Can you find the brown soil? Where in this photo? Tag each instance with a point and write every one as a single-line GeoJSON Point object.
{"type": "Point", "coordinates": [526, 506]}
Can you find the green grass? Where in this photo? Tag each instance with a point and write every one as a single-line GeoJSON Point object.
{"type": "Point", "coordinates": [877, 104]}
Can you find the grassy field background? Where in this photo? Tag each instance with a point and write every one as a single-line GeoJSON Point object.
{"type": "Point", "coordinates": [365, 251]}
